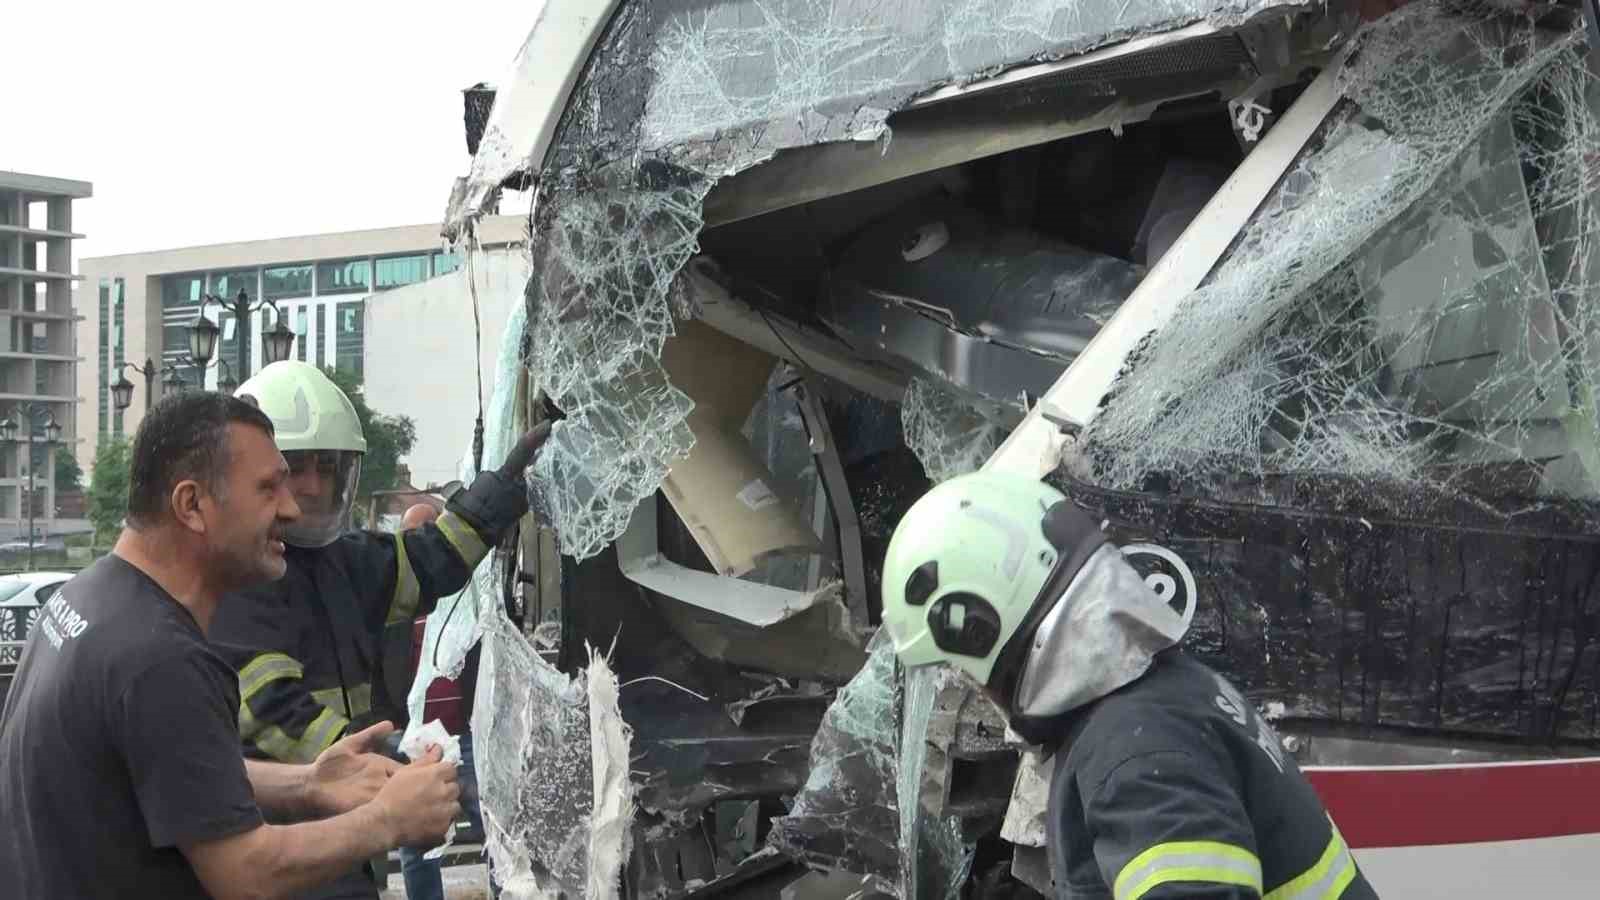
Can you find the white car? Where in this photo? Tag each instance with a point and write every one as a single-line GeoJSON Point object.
{"type": "Point", "coordinates": [21, 596]}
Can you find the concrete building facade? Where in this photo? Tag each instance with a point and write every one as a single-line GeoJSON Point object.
{"type": "Point", "coordinates": [444, 404]}
{"type": "Point", "coordinates": [326, 287]}
{"type": "Point", "coordinates": [38, 338]}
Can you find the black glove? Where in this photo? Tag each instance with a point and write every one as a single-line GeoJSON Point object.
{"type": "Point", "coordinates": [523, 453]}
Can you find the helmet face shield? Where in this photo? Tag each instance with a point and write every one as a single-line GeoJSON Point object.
{"type": "Point", "coordinates": [324, 485]}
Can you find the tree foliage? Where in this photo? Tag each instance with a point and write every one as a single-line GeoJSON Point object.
{"type": "Point", "coordinates": [389, 438]}
{"type": "Point", "coordinates": [108, 488]}
{"type": "Point", "coordinates": [69, 475]}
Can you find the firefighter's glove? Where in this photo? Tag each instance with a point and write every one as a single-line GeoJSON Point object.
{"type": "Point", "coordinates": [524, 451]}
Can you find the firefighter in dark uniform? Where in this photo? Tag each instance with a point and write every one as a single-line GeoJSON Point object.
{"type": "Point", "coordinates": [326, 649]}
{"type": "Point", "coordinates": [1167, 783]}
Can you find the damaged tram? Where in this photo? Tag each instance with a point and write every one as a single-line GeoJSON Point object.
{"type": "Point", "coordinates": [1296, 297]}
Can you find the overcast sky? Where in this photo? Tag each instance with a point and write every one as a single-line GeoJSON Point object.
{"type": "Point", "coordinates": [205, 122]}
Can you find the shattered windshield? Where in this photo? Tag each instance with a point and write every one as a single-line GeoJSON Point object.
{"type": "Point", "coordinates": [1409, 312]}
{"type": "Point", "coordinates": [680, 94]}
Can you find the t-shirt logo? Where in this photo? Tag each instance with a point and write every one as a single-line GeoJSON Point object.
{"type": "Point", "coordinates": [61, 623]}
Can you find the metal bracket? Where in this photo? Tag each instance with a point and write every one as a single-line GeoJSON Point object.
{"type": "Point", "coordinates": [837, 489]}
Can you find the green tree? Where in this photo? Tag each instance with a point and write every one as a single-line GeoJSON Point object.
{"type": "Point", "coordinates": [69, 475]}
{"type": "Point", "coordinates": [389, 438]}
{"type": "Point", "coordinates": [108, 489]}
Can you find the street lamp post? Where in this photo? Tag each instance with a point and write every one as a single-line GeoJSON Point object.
{"type": "Point", "coordinates": [170, 378]}
{"type": "Point", "coordinates": [52, 435]}
{"type": "Point", "coordinates": [276, 342]}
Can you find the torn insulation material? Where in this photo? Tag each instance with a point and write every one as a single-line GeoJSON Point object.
{"type": "Point", "coordinates": [552, 774]}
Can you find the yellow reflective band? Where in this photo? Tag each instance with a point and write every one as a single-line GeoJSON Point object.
{"type": "Point", "coordinates": [320, 734]}
{"type": "Point", "coordinates": [469, 545]}
{"type": "Point", "coordinates": [407, 593]}
{"type": "Point", "coordinates": [333, 698]}
{"type": "Point", "coordinates": [1325, 880]}
{"type": "Point", "coordinates": [276, 743]}
{"type": "Point", "coordinates": [264, 669]}
{"type": "Point", "coordinates": [1206, 862]}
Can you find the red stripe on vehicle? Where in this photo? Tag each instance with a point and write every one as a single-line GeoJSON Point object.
{"type": "Point", "coordinates": [1409, 807]}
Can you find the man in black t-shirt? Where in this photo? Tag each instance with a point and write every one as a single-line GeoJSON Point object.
{"type": "Point", "coordinates": [120, 771]}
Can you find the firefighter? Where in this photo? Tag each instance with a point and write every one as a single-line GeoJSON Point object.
{"type": "Point", "coordinates": [1167, 783]}
{"type": "Point", "coordinates": [326, 649]}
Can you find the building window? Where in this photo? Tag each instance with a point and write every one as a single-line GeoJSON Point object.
{"type": "Point", "coordinates": [445, 263]}
{"type": "Point", "coordinates": [401, 270]}
{"type": "Point", "coordinates": [286, 281]}
{"type": "Point", "coordinates": [118, 343]}
{"type": "Point", "coordinates": [298, 326]}
{"type": "Point", "coordinates": [228, 344]}
{"type": "Point", "coordinates": [104, 348]}
{"type": "Point", "coordinates": [180, 303]}
{"type": "Point", "coordinates": [182, 290]}
{"type": "Point", "coordinates": [350, 340]}
{"type": "Point", "coordinates": [323, 312]}
{"type": "Point", "coordinates": [350, 276]}
{"type": "Point", "coordinates": [228, 284]}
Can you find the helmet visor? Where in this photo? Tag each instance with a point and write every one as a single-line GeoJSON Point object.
{"type": "Point", "coordinates": [324, 485]}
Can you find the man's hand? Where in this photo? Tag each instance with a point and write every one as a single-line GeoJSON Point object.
{"type": "Point", "coordinates": [420, 801]}
{"type": "Point", "coordinates": [522, 455]}
{"type": "Point", "coordinates": [351, 772]}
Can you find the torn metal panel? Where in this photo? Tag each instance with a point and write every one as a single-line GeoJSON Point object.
{"type": "Point", "coordinates": [994, 311]}
{"type": "Point", "coordinates": [819, 642]}
{"type": "Point", "coordinates": [745, 601]}
{"type": "Point", "coordinates": [837, 495]}
{"type": "Point", "coordinates": [1036, 444]}
{"type": "Point", "coordinates": [822, 353]}
{"type": "Point", "coordinates": [1025, 822]}
{"type": "Point", "coordinates": [688, 752]}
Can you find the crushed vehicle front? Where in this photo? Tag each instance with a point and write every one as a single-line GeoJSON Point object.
{"type": "Point", "coordinates": [1301, 307]}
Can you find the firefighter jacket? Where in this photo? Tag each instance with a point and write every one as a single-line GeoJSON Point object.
{"type": "Point", "coordinates": [326, 649]}
{"type": "Point", "coordinates": [1173, 786]}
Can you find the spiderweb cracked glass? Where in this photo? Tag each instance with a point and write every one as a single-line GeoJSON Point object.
{"type": "Point", "coordinates": [949, 435]}
{"type": "Point", "coordinates": [1412, 313]}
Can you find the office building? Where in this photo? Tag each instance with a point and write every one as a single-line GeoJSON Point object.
{"type": "Point", "coordinates": [38, 341]}
{"type": "Point", "coordinates": [322, 286]}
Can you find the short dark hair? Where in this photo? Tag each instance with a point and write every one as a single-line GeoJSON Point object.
{"type": "Point", "coordinates": [184, 437]}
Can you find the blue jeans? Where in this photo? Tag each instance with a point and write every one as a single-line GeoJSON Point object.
{"type": "Point", "coordinates": [422, 878]}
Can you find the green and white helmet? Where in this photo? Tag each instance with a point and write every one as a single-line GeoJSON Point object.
{"type": "Point", "coordinates": [320, 436]}
{"type": "Point", "coordinates": [964, 568]}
